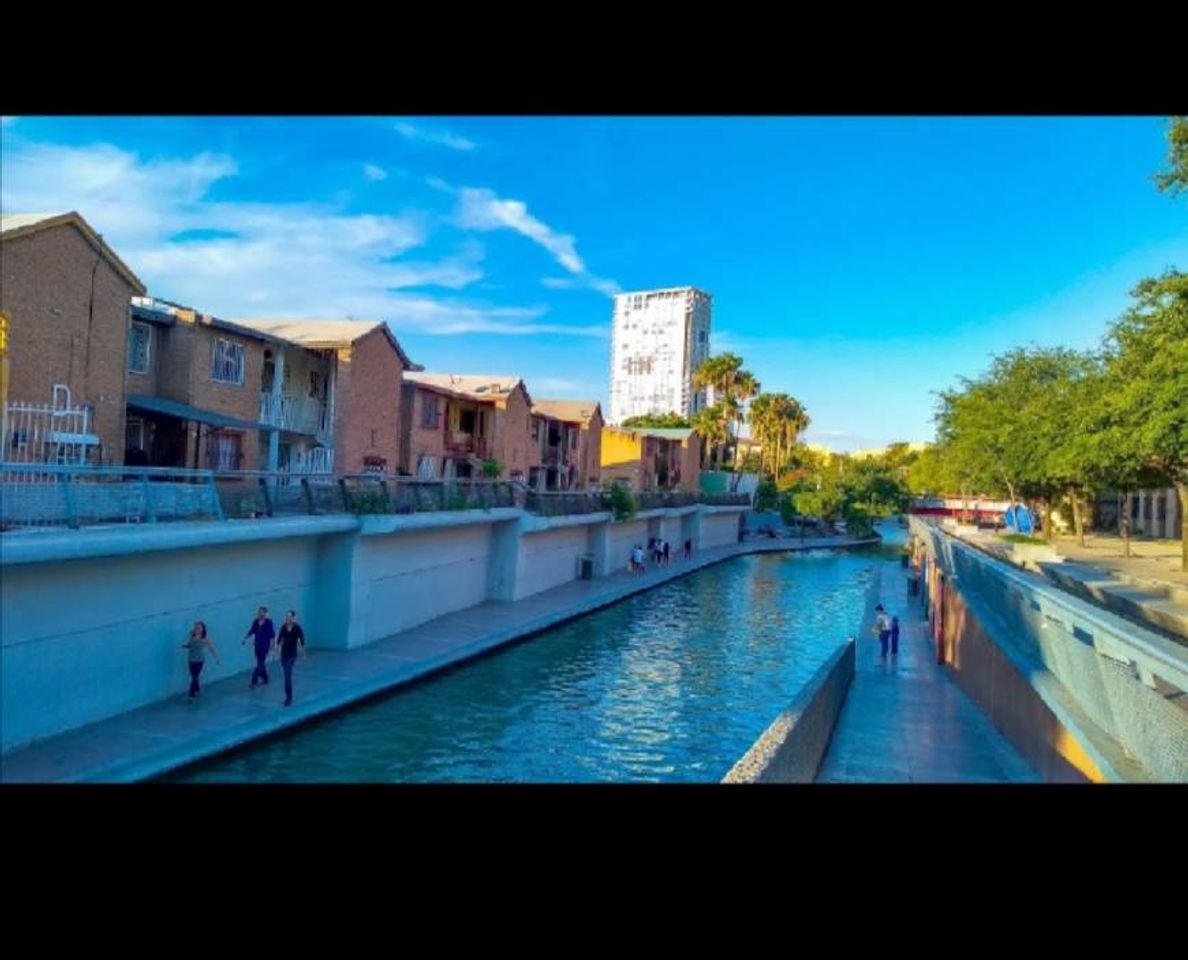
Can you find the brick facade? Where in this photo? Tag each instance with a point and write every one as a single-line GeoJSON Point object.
{"type": "Point", "coordinates": [68, 307]}
{"type": "Point", "coordinates": [367, 401]}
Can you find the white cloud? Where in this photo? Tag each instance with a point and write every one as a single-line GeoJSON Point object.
{"type": "Point", "coordinates": [372, 172]}
{"type": "Point", "coordinates": [256, 259]}
{"type": "Point", "coordinates": [480, 209]}
{"type": "Point", "coordinates": [442, 137]}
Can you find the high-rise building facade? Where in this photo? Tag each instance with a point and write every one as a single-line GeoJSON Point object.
{"type": "Point", "coordinates": [658, 338]}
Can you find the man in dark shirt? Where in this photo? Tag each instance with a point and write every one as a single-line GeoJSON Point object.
{"type": "Point", "coordinates": [262, 632]}
{"type": "Point", "coordinates": [290, 636]}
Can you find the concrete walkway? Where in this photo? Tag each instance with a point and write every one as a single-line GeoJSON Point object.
{"type": "Point", "coordinates": [905, 720]}
{"type": "Point", "coordinates": [163, 736]}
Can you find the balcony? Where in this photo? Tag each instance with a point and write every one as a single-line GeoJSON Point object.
{"type": "Point", "coordinates": [297, 414]}
{"type": "Point", "coordinates": [459, 444]}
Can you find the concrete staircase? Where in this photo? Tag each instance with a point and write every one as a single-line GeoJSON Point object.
{"type": "Point", "coordinates": [1149, 602]}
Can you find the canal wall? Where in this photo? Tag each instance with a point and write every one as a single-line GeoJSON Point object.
{"type": "Point", "coordinates": [92, 620]}
{"type": "Point", "coordinates": [1083, 694]}
{"type": "Point", "coordinates": [792, 748]}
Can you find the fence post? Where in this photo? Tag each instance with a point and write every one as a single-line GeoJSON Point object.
{"type": "Point", "coordinates": [68, 498]}
{"type": "Point", "coordinates": [150, 508]}
{"type": "Point", "coordinates": [214, 493]}
{"type": "Point", "coordinates": [263, 481]}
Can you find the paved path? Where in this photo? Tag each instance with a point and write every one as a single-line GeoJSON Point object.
{"type": "Point", "coordinates": [162, 736]}
{"type": "Point", "coordinates": [905, 720]}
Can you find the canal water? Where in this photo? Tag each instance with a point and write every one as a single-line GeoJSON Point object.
{"type": "Point", "coordinates": [672, 685]}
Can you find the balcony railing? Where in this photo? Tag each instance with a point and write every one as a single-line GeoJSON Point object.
{"type": "Point", "coordinates": [459, 444]}
{"type": "Point", "coordinates": [50, 495]}
{"type": "Point", "coordinates": [295, 413]}
{"type": "Point", "coordinates": [319, 460]}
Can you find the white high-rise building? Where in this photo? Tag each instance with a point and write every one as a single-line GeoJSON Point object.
{"type": "Point", "coordinates": [658, 338]}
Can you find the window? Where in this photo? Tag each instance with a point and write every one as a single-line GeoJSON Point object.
{"type": "Point", "coordinates": [316, 382]}
{"type": "Point", "coordinates": [224, 450]}
{"type": "Point", "coordinates": [573, 438]}
{"type": "Point", "coordinates": [535, 428]}
{"type": "Point", "coordinates": [429, 412]}
{"type": "Point", "coordinates": [227, 363]}
{"type": "Point", "coordinates": [140, 335]}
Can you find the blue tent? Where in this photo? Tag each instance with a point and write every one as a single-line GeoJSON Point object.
{"type": "Point", "coordinates": [1019, 518]}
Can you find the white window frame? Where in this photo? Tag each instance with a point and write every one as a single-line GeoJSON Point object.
{"type": "Point", "coordinates": [138, 326]}
{"type": "Point", "coordinates": [231, 356]}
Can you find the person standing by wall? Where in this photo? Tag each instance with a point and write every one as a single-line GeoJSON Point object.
{"type": "Point", "coordinates": [290, 636]}
{"type": "Point", "coordinates": [261, 633]}
{"type": "Point", "coordinates": [883, 628]}
{"type": "Point", "coordinates": [198, 644]}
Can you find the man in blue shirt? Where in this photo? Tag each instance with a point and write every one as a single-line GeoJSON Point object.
{"type": "Point", "coordinates": [262, 632]}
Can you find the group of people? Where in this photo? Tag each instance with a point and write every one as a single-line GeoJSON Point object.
{"type": "Point", "coordinates": [659, 551]}
{"type": "Point", "coordinates": [887, 627]}
{"type": "Point", "coordinates": [290, 643]}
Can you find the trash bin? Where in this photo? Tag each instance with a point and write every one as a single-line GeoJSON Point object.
{"type": "Point", "coordinates": [586, 567]}
{"type": "Point", "coordinates": [913, 586]}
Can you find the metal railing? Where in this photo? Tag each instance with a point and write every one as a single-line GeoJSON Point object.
{"type": "Point", "coordinates": [51, 495]}
{"type": "Point", "coordinates": [293, 412]}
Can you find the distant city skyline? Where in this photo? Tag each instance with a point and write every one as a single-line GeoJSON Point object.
{"type": "Point", "coordinates": [859, 264]}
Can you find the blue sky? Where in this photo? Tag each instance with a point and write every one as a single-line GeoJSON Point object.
{"type": "Point", "coordinates": [857, 263]}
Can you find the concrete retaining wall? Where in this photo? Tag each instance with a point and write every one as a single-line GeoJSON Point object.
{"type": "Point", "coordinates": [718, 529]}
{"type": "Point", "coordinates": [86, 639]}
{"type": "Point", "coordinates": [1081, 693]}
{"type": "Point", "coordinates": [792, 748]}
{"type": "Point", "coordinates": [549, 558]}
{"type": "Point", "coordinates": [92, 621]}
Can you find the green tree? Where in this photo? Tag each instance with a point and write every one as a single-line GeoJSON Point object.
{"type": "Point", "coordinates": [999, 433]}
{"type": "Point", "coordinates": [658, 421]}
{"type": "Point", "coordinates": [1175, 178]}
{"type": "Point", "coordinates": [1146, 364]}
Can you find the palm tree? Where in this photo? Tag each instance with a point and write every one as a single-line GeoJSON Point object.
{"type": "Point", "coordinates": [732, 386]}
{"type": "Point", "coordinates": [762, 419]}
{"type": "Point", "coordinates": [710, 424]}
{"type": "Point", "coordinates": [745, 387]}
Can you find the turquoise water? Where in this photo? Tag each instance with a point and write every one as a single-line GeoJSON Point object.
{"type": "Point", "coordinates": [673, 685]}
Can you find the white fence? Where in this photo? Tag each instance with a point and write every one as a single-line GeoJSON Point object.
{"type": "Point", "coordinates": [56, 433]}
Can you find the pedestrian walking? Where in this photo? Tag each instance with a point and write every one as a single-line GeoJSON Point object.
{"type": "Point", "coordinates": [667, 557]}
{"type": "Point", "coordinates": [261, 633]}
{"type": "Point", "coordinates": [894, 636]}
{"type": "Point", "coordinates": [198, 643]}
{"type": "Point", "coordinates": [290, 637]}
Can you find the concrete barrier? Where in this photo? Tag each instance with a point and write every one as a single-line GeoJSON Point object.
{"type": "Point", "coordinates": [93, 620]}
{"type": "Point", "coordinates": [792, 748]}
{"type": "Point", "coordinates": [1081, 693]}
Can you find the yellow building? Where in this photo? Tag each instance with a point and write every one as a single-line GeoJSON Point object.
{"type": "Point", "coordinates": [651, 458]}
